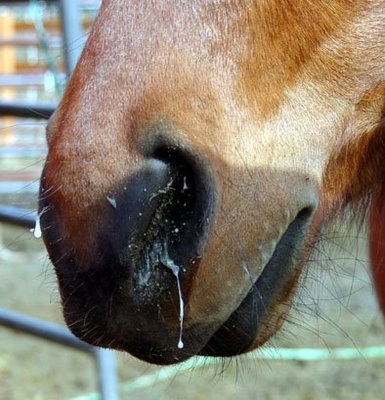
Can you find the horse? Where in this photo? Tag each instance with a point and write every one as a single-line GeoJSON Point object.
{"type": "Point", "coordinates": [199, 149]}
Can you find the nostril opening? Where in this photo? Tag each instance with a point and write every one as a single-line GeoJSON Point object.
{"type": "Point", "coordinates": [305, 214]}
{"type": "Point", "coordinates": [176, 202]}
{"type": "Point", "coordinates": [184, 205]}
{"type": "Point", "coordinates": [298, 224]}
{"type": "Point", "coordinates": [162, 218]}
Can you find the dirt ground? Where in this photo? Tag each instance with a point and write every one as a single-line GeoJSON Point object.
{"type": "Point", "coordinates": [335, 307]}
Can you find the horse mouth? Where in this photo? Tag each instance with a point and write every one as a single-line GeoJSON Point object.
{"type": "Point", "coordinates": [127, 326]}
{"type": "Point", "coordinates": [250, 324]}
{"type": "Point", "coordinates": [152, 339]}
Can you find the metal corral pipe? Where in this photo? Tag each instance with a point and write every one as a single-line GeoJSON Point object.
{"type": "Point", "coordinates": [18, 216]}
{"type": "Point", "coordinates": [10, 2]}
{"type": "Point", "coordinates": [107, 373]}
{"type": "Point", "coordinates": [105, 360]}
{"type": "Point", "coordinates": [72, 32]}
{"type": "Point", "coordinates": [24, 109]}
{"type": "Point", "coordinates": [45, 330]}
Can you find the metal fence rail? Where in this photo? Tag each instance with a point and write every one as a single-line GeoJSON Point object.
{"type": "Point", "coordinates": [17, 217]}
{"type": "Point", "coordinates": [23, 109]}
{"type": "Point", "coordinates": [104, 359]}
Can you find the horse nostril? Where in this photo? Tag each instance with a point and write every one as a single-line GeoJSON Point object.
{"type": "Point", "coordinates": [160, 217]}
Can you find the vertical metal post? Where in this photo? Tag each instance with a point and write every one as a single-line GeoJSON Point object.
{"type": "Point", "coordinates": [107, 374]}
{"type": "Point", "coordinates": [73, 36]}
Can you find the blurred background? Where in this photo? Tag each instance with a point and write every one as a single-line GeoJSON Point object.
{"type": "Point", "coordinates": [335, 306]}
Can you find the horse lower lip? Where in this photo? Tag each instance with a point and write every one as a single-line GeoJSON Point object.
{"type": "Point", "coordinates": [239, 331]}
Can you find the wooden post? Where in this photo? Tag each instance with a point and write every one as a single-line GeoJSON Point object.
{"type": "Point", "coordinates": [7, 67]}
{"type": "Point", "coordinates": [7, 53]}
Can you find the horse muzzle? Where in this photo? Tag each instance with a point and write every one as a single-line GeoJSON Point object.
{"type": "Point", "coordinates": [128, 285]}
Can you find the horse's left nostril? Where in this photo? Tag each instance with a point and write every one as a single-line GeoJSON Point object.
{"type": "Point", "coordinates": [160, 216]}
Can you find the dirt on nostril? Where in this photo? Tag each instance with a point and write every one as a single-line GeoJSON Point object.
{"type": "Point", "coordinates": [149, 254]}
{"type": "Point", "coordinates": [165, 229]}
{"type": "Point", "coordinates": [152, 253]}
